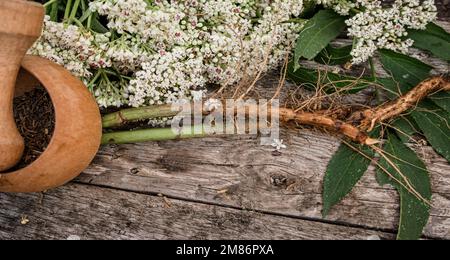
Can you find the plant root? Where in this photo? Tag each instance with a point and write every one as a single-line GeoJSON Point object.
{"type": "Point", "coordinates": [355, 125]}
{"type": "Point", "coordinates": [370, 117]}
{"type": "Point", "coordinates": [329, 123]}
{"type": "Point", "coordinates": [315, 119]}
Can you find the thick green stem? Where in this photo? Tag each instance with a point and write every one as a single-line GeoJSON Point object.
{"type": "Point", "coordinates": [136, 114]}
{"type": "Point", "coordinates": [149, 135]}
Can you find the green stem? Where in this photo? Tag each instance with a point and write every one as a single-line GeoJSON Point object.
{"type": "Point", "coordinates": [68, 9]}
{"type": "Point", "coordinates": [54, 11]}
{"type": "Point", "coordinates": [372, 69]}
{"type": "Point", "coordinates": [150, 135]}
{"type": "Point", "coordinates": [74, 10]}
{"type": "Point", "coordinates": [96, 77]}
{"type": "Point", "coordinates": [296, 20]}
{"type": "Point", "coordinates": [51, 2]}
{"type": "Point", "coordinates": [136, 114]}
{"type": "Point", "coordinates": [374, 79]}
{"type": "Point", "coordinates": [75, 20]}
{"type": "Point", "coordinates": [89, 22]}
{"type": "Point", "coordinates": [83, 5]}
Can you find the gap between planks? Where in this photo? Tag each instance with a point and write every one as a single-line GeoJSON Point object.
{"type": "Point", "coordinates": [271, 213]}
{"type": "Point", "coordinates": [88, 212]}
{"type": "Point", "coordinates": [177, 170]}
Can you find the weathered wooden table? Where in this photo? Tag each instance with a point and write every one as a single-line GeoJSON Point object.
{"type": "Point", "coordinates": [218, 188]}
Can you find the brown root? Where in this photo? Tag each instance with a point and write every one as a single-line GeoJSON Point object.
{"type": "Point", "coordinates": [342, 121]}
{"type": "Point", "coordinates": [329, 123]}
{"type": "Point", "coordinates": [315, 119]}
{"type": "Point", "coordinates": [370, 117]}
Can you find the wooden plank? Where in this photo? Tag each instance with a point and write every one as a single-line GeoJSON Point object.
{"type": "Point", "coordinates": [236, 171]}
{"type": "Point", "coordinates": [223, 172]}
{"type": "Point", "coordinates": [87, 212]}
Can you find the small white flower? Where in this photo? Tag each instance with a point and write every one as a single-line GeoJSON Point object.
{"type": "Point", "coordinates": [163, 51]}
{"type": "Point", "coordinates": [278, 144]}
{"type": "Point", "coordinates": [212, 104]}
{"type": "Point", "coordinates": [378, 27]}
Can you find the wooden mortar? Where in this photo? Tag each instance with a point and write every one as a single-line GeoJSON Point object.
{"type": "Point", "coordinates": [77, 135]}
{"type": "Point", "coordinates": [20, 26]}
{"type": "Point", "coordinates": [78, 128]}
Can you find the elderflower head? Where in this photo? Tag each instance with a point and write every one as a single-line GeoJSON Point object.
{"type": "Point", "coordinates": [386, 28]}
{"type": "Point", "coordinates": [344, 7]}
{"type": "Point", "coordinates": [163, 51]}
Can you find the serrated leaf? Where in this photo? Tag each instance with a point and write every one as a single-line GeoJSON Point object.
{"type": "Point", "coordinates": [334, 81]}
{"type": "Point", "coordinates": [404, 69]}
{"type": "Point", "coordinates": [435, 125]}
{"type": "Point", "coordinates": [434, 39]}
{"type": "Point", "coordinates": [334, 56]}
{"type": "Point", "coordinates": [405, 128]}
{"type": "Point", "coordinates": [414, 213]}
{"type": "Point", "coordinates": [343, 172]}
{"type": "Point", "coordinates": [324, 27]}
{"type": "Point", "coordinates": [442, 99]}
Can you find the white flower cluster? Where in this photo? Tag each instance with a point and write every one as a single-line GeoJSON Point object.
{"type": "Point", "coordinates": [377, 27]}
{"type": "Point", "coordinates": [161, 51]}
{"type": "Point", "coordinates": [344, 7]}
{"type": "Point", "coordinates": [70, 46]}
{"type": "Point", "coordinates": [83, 53]}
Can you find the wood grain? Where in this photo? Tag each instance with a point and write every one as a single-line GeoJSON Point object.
{"type": "Point", "coordinates": [20, 26]}
{"type": "Point", "coordinates": [238, 172]}
{"type": "Point", "coordinates": [87, 212]}
{"type": "Point", "coordinates": [219, 188]}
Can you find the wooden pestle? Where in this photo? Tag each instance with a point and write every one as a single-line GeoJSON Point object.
{"type": "Point", "coordinates": [20, 25]}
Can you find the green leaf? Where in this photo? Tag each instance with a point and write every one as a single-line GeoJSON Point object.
{"type": "Point", "coordinates": [394, 89]}
{"type": "Point", "coordinates": [438, 31]}
{"type": "Point", "coordinates": [324, 27]}
{"type": "Point", "coordinates": [442, 99]}
{"type": "Point", "coordinates": [97, 26]}
{"type": "Point", "coordinates": [334, 56]}
{"type": "Point", "coordinates": [344, 170]}
{"type": "Point", "coordinates": [434, 39]}
{"type": "Point", "coordinates": [333, 80]}
{"type": "Point", "coordinates": [435, 125]}
{"type": "Point", "coordinates": [405, 128]}
{"type": "Point", "coordinates": [414, 213]}
{"type": "Point", "coordinates": [404, 69]}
